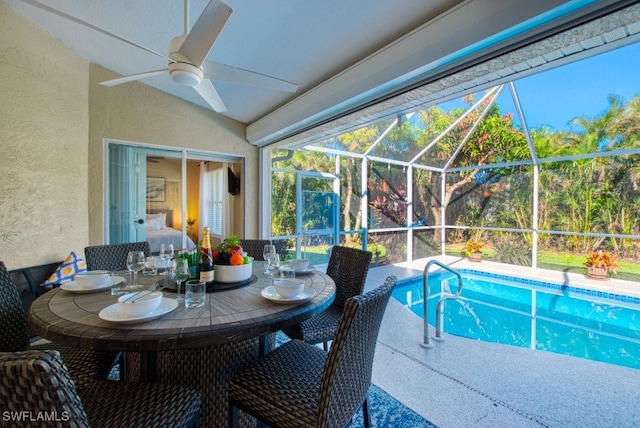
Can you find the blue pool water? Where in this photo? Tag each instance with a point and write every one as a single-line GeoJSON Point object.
{"type": "Point", "coordinates": [567, 320]}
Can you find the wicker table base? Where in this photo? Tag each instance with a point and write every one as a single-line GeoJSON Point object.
{"type": "Point", "coordinates": [209, 371]}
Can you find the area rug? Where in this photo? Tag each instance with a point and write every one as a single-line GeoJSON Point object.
{"type": "Point", "coordinates": [386, 411]}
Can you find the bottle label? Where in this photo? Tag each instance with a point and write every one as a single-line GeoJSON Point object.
{"type": "Point", "coordinates": [206, 276]}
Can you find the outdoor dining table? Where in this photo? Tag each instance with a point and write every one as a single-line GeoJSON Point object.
{"type": "Point", "coordinates": [201, 348]}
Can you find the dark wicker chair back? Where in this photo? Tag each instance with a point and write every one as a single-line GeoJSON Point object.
{"type": "Point", "coordinates": [113, 256]}
{"type": "Point", "coordinates": [254, 247]}
{"type": "Point", "coordinates": [347, 374]}
{"type": "Point", "coordinates": [315, 387]}
{"type": "Point", "coordinates": [86, 365]}
{"type": "Point", "coordinates": [40, 382]}
{"type": "Point", "coordinates": [348, 268]}
{"type": "Point", "coordinates": [14, 334]}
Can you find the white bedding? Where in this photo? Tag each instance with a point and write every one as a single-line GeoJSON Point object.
{"type": "Point", "coordinates": [167, 235]}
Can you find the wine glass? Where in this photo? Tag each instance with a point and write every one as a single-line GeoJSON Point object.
{"type": "Point", "coordinates": [179, 273]}
{"type": "Point", "coordinates": [272, 265]}
{"type": "Point", "coordinates": [135, 263]}
{"type": "Point", "coordinates": [269, 250]}
{"type": "Point", "coordinates": [166, 254]}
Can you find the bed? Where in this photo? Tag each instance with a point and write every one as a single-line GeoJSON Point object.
{"type": "Point", "coordinates": [160, 231]}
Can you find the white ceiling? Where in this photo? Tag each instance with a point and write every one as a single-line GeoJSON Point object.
{"type": "Point", "coordinates": [340, 53]}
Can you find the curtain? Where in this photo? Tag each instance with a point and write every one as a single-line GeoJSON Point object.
{"type": "Point", "coordinates": [203, 198]}
{"type": "Point", "coordinates": [226, 203]}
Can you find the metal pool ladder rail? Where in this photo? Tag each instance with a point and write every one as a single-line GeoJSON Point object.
{"type": "Point", "coordinates": [440, 306]}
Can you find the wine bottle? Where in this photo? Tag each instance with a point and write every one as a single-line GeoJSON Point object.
{"type": "Point", "coordinates": [205, 258]}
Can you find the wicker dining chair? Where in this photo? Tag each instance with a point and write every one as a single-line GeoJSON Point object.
{"type": "Point", "coordinates": [113, 256]}
{"type": "Point", "coordinates": [38, 381]}
{"type": "Point", "coordinates": [254, 247]}
{"type": "Point", "coordinates": [85, 365]}
{"type": "Point", "coordinates": [348, 268]}
{"type": "Point", "coordinates": [298, 384]}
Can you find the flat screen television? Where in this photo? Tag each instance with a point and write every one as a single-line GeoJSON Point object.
{"type": "Point", "coordinates": [234, 182]}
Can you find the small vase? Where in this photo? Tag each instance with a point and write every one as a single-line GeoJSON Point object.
{"type": "Point", "coordinates": [475, 257]}
{"type": "Point", "coordinates": [597, 272]}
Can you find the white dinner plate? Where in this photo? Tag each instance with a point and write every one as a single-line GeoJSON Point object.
{"type": "Point", "coordinates": [114, 314]}
{"type": "Point", "coordinates": [73, 286]}
{"type": "Point", "coordinates": [270, 293]}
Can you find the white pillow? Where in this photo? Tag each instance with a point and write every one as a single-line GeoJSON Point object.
{"type": "Point", "coordinates": [154, 224]}
{"type": "Point", "coordinates": [162, 221]}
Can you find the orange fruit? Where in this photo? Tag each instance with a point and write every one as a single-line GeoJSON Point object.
{"type": "Point", "coordinates": [236, 259]}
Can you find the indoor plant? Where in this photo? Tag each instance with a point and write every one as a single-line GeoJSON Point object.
{"type": "Point", "coordinates": [599, 263]}
{"type": "Point", "coordinates": [472, 250]}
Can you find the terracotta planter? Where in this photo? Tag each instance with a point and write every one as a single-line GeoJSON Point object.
{"type": "Point", "coordinates": [475, 257]}
{"type": "Point", "coordinates": [597, 272]}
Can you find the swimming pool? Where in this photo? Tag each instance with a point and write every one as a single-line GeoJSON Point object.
{"type": "Point", "coordinates": [567, 320]}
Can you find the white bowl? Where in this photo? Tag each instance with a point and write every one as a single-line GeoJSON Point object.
{"type": "Point", "coordinates": [228, 273]}
{"type": "Point", "coordinates": [299, 264]}
{"type": "Point", "coordinates": [139, 303]}
{"type": "Point", "coordinates": [288, 288]}
{"type": "Point", "coordinates": [92, 278]}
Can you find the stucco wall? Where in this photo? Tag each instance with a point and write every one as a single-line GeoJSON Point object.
{"type": "Point", "coordinates": [54, 120]}
{"type": "Point", "coordinates": [44, 124]}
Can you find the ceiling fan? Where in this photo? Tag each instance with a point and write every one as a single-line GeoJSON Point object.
{"type": "Point", "coordinates": [188, 65]}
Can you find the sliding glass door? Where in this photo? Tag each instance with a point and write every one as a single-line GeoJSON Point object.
{"type": "Point", "coordinates": [126, 194]}
{"type": "Point", "coordinates": [162, 195]}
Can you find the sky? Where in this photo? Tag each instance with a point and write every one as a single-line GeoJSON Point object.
{"type": "Point", "coordinates": [556, 96]}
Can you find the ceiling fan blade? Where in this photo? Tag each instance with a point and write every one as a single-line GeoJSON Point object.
{"type": "Point", "coordinates": [208, 93]}
{"type": "Point", "coordinates": [93, 27]}
{"type": "Point", "coordinates": [133, 77]}
{"type": "Point", "coordinates": [205, 31]}
{"type": "Point", "coordinates": [217, 71]}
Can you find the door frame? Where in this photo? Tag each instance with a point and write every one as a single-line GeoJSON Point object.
{"type": "Point", "coordinates": [185, 154]}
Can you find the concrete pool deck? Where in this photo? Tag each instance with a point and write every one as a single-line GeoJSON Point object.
{"type": "Point", "coordinates": [468, 383]}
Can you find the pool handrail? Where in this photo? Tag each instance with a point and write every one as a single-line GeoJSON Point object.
{"type": "Point", "coordinates": [440, 306]}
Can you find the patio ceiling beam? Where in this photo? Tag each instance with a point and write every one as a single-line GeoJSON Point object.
{"type": "Point", "coordinates": [466, 34]}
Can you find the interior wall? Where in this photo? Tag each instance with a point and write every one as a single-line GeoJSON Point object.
{"type": "Point", "coordinates": [43, 145]}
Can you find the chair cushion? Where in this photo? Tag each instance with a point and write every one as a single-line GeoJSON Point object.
{"type": "Point", "coordinates": [65, 272]}
{"type": "Point", "coordinates": [283, 387]}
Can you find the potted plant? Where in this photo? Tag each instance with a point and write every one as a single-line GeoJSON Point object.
{"type": "Point", "coordinates": [599, 263]}
{"type": "Point", "coordinates": [472, 250]}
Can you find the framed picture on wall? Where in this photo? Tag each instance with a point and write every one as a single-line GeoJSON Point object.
{"type": "Point", "coordinates": [156, 189]}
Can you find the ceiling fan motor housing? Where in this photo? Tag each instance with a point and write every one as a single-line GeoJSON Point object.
{"type": "Point", "coordinates": [182, 70]}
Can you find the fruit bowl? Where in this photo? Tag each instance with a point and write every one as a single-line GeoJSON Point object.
{"type": "Point", "coordinates": [229, 273]}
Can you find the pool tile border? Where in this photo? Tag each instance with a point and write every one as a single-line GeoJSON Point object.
{"type": "Point", "coordinates": [548, 285]}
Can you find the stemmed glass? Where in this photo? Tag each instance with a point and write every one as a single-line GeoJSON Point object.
{"type": "Point", "coordinates": [135, 263]}
{"type": "Point", "coordinates": [166, 254]}
{"type": "Point", "coordinates": [268, 251]}
{"type": "Point", "coordinates": [179, 273]}
{"type": "Point", "coordinates": [272, 265]}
